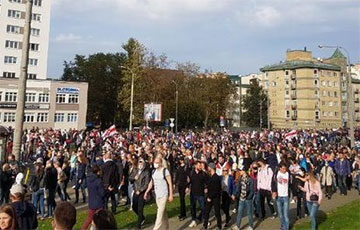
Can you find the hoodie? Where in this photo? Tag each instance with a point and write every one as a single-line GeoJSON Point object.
{"type": "Point", "coordinates": [26, 215]}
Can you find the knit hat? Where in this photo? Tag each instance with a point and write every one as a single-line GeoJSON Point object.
{"type": "Point", "coordinates": [17, 188]}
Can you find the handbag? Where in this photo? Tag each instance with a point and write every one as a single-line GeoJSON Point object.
{"type": "Point", "coordinates": [313, 197]}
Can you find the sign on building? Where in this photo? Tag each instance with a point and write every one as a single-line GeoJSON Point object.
{"type": "Point", "coordinates": [153, 112]}
{"type": "Point", "coordinates": [68, 90]}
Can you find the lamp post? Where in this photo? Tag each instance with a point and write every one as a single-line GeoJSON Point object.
{"type": "Point", "coordinates": [176, 105]}
{"type": "Point", "coordinates": [131, 96]}
{"type": "Point", "coordinates": [350, 100]}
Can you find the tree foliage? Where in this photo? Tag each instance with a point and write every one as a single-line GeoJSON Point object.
{"type": "Point", "coordinates": [255, 106]}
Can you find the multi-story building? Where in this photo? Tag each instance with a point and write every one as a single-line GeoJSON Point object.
{"type": "Point", "coordinates": [235, 110]}
{"type": "Point", "coordinates": [48, 103]}
{"type": "Point", "coordinates": [305, 92]}
{"type": "Point", "coordinates": [12, 21]}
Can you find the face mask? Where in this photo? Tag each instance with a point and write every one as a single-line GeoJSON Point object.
{"type": "Point", "coordinates": [141, 166]}
{"type": "Point", "coordinates": [156, 165]}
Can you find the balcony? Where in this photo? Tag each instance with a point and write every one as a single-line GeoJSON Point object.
{"type": "Point", "coordinates": [293, 117]}
{"type": "Point", "coordinates": [356, 91]}
{"type": "Point", "coordinates": [356, 100]}
{"type": "Point", "coordinates": [293, 86]}
{"type": "Point", "coordinates": [317, 118]}
{"type": "Point", "coordinates": [293, 76]}
{"type": "Point", "coordinates": [316, 75]}
{"type": "Point", "coordinates": [293, 107]}
{"type": "Point", "coordinates": [356, 109]}
{"type": "Point", "coordinates": [293, 96]}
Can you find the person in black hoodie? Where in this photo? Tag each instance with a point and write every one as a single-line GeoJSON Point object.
{"type": "Point", "coordinates": [182, 180]}
{"type": "Point", "coordinates": [25, 211]}
{"type": "Point", "coordinates": [50, 182]}
{"type": "Point", "coordinates": [96, 191]}
{"type": "Point", "coordinates": [6, 181]}
{"type": "Point", "coordinates": [111, 179]}
{"type": "Point", "coordinates": [213, 197]}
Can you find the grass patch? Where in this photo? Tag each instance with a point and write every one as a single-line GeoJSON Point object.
{"type": "Point", "coordinates": [127, 219]}
{"type": "Point", "coordinates": [346, 217]}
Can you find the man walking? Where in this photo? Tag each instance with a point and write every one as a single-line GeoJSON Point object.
{"type": "Point", "coordinates": [213, 197]}
{"type": "Point", "coordinates": [111, 180]}
{"type": "Point", "coordinates": [265, 175]}
{"type": "Point", "coordinates": [342, 169]}
{"type": "Point", "coordinates": [280, 191]}
{"type": "Point", "coordinates": [161, 180]}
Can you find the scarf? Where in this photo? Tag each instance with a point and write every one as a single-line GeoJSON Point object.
{"type": "Point", "coordinates": [243, 192]}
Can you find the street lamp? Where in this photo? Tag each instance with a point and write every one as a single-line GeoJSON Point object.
{"type": "Point", "coordinates": [350, 101]}
{"type": "Point", "coordinates": [131, 96]}
{"type": "Point", "coordinates": [177, 105]}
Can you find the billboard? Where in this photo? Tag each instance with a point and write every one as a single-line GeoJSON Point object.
{"type": "Point", "coordinates": [153, 112]}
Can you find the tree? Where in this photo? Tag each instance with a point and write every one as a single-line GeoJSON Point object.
{"type": "Point", "coordinates": [103, 73]}
{"type": "Point", "coordinates": [255, 106]}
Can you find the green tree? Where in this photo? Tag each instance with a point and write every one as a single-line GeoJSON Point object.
{"type": "Point", "coordinates": [255, 106]}
{"type": "Point", "coordinates": [103, 73]}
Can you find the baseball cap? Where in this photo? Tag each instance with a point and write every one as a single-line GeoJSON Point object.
{"type": "Point", "coordinates": [17, 188]}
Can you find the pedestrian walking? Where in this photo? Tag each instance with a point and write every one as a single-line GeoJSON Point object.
{"type": "Point", "coordinates": [265, 175]}
{"type": "Point", "coordinates": [161, 180]}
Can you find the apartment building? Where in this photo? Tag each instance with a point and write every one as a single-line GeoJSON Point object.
{"type": "Point", "coordinates": [305, 92]}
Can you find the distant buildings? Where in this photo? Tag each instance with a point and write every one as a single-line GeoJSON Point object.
{"type": "Point", "coordinates": [49, 103]}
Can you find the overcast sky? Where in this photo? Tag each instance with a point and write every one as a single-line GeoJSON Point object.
{"type": "Point", "coordinates": [233, 36]}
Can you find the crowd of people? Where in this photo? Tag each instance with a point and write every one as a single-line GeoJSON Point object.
{"type": "Point", "coordinates": [230, 172]}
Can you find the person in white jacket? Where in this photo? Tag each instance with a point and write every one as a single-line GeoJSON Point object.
{"type": "Point", "coordinates": [326, 178]}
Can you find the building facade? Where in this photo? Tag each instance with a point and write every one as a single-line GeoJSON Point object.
{"type": "Point", "coordinates": [48, 103]}
{"type": "Point", "coordinates": [12, 21]}
{"type": "Point", "coordinates": [235, 109]}
{"type": "Point", "coordinates": [305, 92]}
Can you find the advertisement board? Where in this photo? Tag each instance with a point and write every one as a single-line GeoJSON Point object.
{"type": "Point", "coordinates": [153, 112]}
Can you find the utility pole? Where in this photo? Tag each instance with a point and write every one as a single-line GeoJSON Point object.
{"type": "Point", "coordinates": [177, 108]}
{"type": "Point", "coordinates": [20, 106]}
{"type": "Point", "coordinates": [131, 96]}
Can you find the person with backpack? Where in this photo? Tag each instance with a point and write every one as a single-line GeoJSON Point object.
{"type": "Point", "coordinates": [280, 191]}
{"type": "Point", "coordinates": [245, 193]}
{"type": "Point", "coordinates": [161, 181]}
{"type": "Point", "coordinates": [141, 180]}
{"type": "Point", "coordinates": [265, 175]}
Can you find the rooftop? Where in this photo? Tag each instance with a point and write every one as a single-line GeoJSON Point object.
{"type": "Point", "coordinates": [338, 54]}
{"type": "Point", "coordinates": [290, 65]}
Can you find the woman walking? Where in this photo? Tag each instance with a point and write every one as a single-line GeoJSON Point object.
{"type": "Point", "coordinates": [314, 196]}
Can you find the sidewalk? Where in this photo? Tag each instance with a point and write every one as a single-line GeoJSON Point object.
{"type": "Point", "coordinates": [326, 207]}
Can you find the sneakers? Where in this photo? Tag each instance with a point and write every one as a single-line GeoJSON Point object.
{"type": "Point", "coordinates": [235, 211]}
{"type": "Point", "coordinates": [235, 227]}
{"type": "Point", "coordinates": [192, 224]}
{"type": "Point", "coordinates": [292, 201]}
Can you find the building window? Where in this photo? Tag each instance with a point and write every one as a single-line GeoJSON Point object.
{"type": "Point", "coordinates": [323, 83]}
{"type": "Point", "coordinates": [42, 117]}
{"type": "Point", "coordinates": [335, 94]}
{"type": "Point", "coordinates": [72, 117]}
{"type": "Point", "coordinates": [324, 93]}
{"type": "Point", "coordinates": [336, 114]}
{"type": "Point", "coordinates": [330, 114]}
{"type": "Point", "coordinates": [334, 74]}
{"type": "Point", "coordinates": [29, 117]}
{"type": "Point", "coordinates": [317, 115]}
{"type": "Point", "coordinates": [330, 83]}
{"type": "Point", "coordinates": [73, 98]}
{"type": "Point", "coordinates": [287, 114]}
{"type": "Point", "coordinates": [37, 2]}
{"type": "Point", "coordinates": [286, 73]}
{"type": "Point", "coordinates": [43, 98]}
{"type": "Point", "coordinates": [35, 32]}
{"type": "Point", "coordinates": [36, 17]}
{"type": "Point", "coordinates": [316, 83]}
{"type": "Point", "coordinates": [9, 74]}
{"type": "Point", "coordinates": [12, 44]}
{"type": "Point", "coordinates": [30, 97]}
{"type": "Point", "coordinates": [9, 117]}
{"type": "Point", "coordinates": [14, 14]}
{"type": "Point", "coordinates": [315, 71]}
{"type": "Point", "coordinates": [31, 76]}
{"type": "Point", "coordinates": [60, 98]}
{"type": "Point", "coordinates": [10, 97]}
{"type": "Point", "coordinates": [335, 84]}
{"type": "Point", "coordinates": [33, 61]}
{"type": "Point", "coordinates": [329, 94]}
{"type": "Point", "coordinates": [34, 47]}
{"type": "Point", "coordinates": [13, 29]}
{"type": "Point", "coordinates": [316, 93]}
{"type": "Point", "coordinates": [10, 60]}
{"type": "Point", "coordinates": [273, 83]}
{"type": "Point", "coordinates": [0, 98]}
{"type": "Point", "coordinates": [325, 113]}
{"type": "Point", "coordinates": [59, 117]}
{"type": "Point", "coordinates": [15, 1]}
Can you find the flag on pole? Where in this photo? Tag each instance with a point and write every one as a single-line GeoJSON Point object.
{"type": "Point", "coordinates": [109, 132]}
{"type": "Point", "coordinates": [290, 135]}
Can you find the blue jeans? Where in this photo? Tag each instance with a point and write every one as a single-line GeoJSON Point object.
{"type": "Point", "coordinates": [358, 182]}
{"type": "Point", "coordinates": [256, 203]}
{"type": "Point", "coordinates": [201, 201]}
{"type": "Point", "coordinates": [283, 210]}
{"type": "Point", "coordinates": [313, 208]}
{"type": "Point", "coordinates": [242, 204]}
{"type": "Point", "coordinates": [38, 197]}
{"type": "Point", "coordinates": [342, 184]}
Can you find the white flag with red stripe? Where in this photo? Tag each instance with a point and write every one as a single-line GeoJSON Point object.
{"type": "Point", "coordinates": [109, 132]}
{"type": "Point", "coordinates": [290, 135]}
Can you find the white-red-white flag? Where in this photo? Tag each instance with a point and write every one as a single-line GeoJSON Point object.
{"type": "Point", "coordinates": [290, 135]}
{"type": "Point", "coordinates": [109, 132]}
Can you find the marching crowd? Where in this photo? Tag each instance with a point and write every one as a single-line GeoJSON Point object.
{"type": "Point", "coordinates": [219, 170]}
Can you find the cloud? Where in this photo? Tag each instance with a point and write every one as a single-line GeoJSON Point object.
{"type": "Point", "coordinates": [68, 38]}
